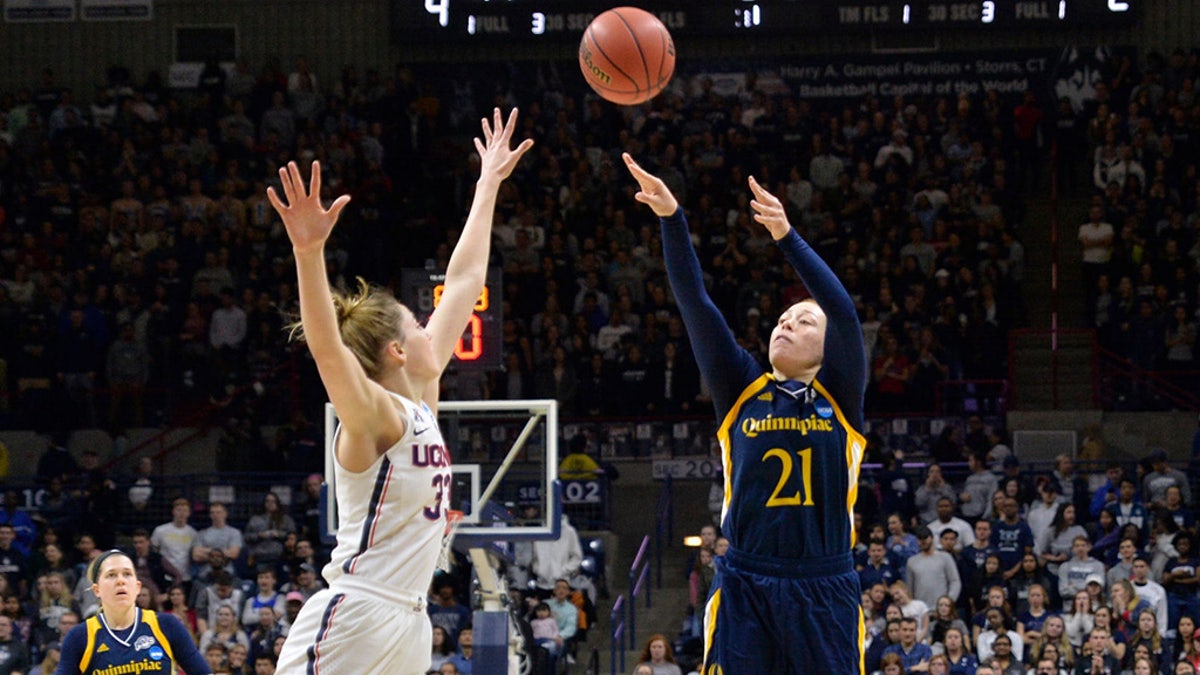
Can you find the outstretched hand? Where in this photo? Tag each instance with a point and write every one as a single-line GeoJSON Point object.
{"type": "Point", "coordinates": [654, 192]}
{"type": "Point", "coordinates": [495, 156]}
{"type": "Point", "coordinates": [307, 222]}
{"type": "Point", "coordinates": [768, 211]}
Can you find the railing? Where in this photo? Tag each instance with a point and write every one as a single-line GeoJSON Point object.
{"type": "Point", "coordinates": [199, 419]}
{"type": "Point", "coordinates": [664, 524]}
{"type": "Point", "coordinates": [639, 574]}
{"type": "Point", "coordinates": [624, 623]}
{"type": "Point", "coordinates": [617, 645]}
{"type": "Point", "coordinates": [1126, 386]}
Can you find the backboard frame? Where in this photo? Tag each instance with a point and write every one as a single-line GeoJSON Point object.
{"type": "Point", "coordinates": [471, 529]}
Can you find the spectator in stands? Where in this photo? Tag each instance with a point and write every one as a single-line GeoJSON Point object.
{"type": "Point", "coordinates": [946, 520]}
{"type": "Point", "coordinates": [557, 559]}
{"type": "Point", "coordinates": [444, 610]}
{"type": "Point", "coordinates": [267, 595]}
{"type": "Point", "coordinates": [1081, 569]}
{"type": "Point", "coordinates": [578, 464]}
{"type": "Point", "coordinates": [306, 509]}
{"type": "Point", "coordinates": [266, 629]}
{"type": "Point", "coordinates": [23, 527]}
{"type": "Point", "coordinates": [565, 611]}
{"type": "Point", "coordinates": [1126, 606]}
{"type": "Point", "coordinates": [660, 656]}
{"type": "Point", "coordinates": [1042, 511]}
{"type": "Point", "coordinates": [224, 630]}
{"type": "Point", "coordinates": [875, 646]}
{"type": "Point", "coordinates": [14, 655]}
{"type": "Point", "coordinates": [153, 569]}
{"type": "Point", "coordinates": [910, 607]}
{"type": "Point", "coordinates": [914, 655]}
{"type": "Point", "coordinates": [1057, 541]}
{"type": "Point", "coordinates": [1181, 581]}
{"type": "Point", "coordinates": [901, 543]}
{"type": "Point", "coordinates": [1095, 658]}
{"type": "Point", "coordinates": [1032, 616]}
{"type": "Point", "coordinates": [177, 605]}
{"type": "Point", "coordinates": [1149, 590]}
{"type": "Point", "coordinates": [305, 581]}
{"type": "Point", "coordinates": [931, 491]}
{"type": "Point", "coordinates": [142, 488]}
{"type": "Point", "coordinates": [943, 617]}
{"type": "Point", "coordinates": [1011, 537]}
{"type": "Point", "coordinates": [1021, 584]}
{"type": "Point", "coordinates": [545, 633]}
{"type": "Point", "coordinates": [266, 531]}
{"type": "Point", "coordinates": [1128, 509]}
{"type": "Point", "coordinates": [463, 661]}
{"type": "Point", "coordinates": [1004, 659]}
{"type": "Point", "coordinates": [222, 593]}
{"type": "Point", "coordinates": [1156, 482]}
{"type": "Point", "coordinates": [219, 535]}
{"type": "Point", "coordinates": [264, 664]}
{"type": "Point", "coordinates": [994, 631]}
{"type": "Point", "coordinates": [877, 568]}
{"type": "Point", "coordinates": [1053, 644]}
{"type": "Point", "coordinates": [443, 648]}
{"type": "Point", "coordinates": [931, 573]}
{"type": "Point", "coordinates": [1096, 237]}
{"type": "Point", "coordinates": [216, 654]}
{"type": "Point", "coordinates": [977, 492]}
{"type": "Point", "coordinates": [174, 539]}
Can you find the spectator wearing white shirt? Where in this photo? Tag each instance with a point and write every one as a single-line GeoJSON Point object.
{"type": "Point", "coordinates": [946, 520]}
{"type": "Point", "coordinates": [227, 329]}
{"type": "Point", "coordinates": [1042, 512]}
{"type": "Point", "coordinates": [1151, 591]}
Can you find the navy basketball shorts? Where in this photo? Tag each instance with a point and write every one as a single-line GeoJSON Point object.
{"type": "Point", "coordinates": [783, 617]}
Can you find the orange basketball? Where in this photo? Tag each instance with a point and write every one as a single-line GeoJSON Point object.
{"type": "Point", "coordinates": [627, 55]}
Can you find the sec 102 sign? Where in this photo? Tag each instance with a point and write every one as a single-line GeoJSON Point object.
{"type": "Point", "coordinates": [481, 342]}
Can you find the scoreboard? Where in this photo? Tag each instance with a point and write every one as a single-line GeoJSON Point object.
{"type": "Point", "coordinates": [481, 342]}
{"type": "Point", "coordinates": [565, 20]}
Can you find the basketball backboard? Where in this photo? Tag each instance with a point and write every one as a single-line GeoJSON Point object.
{"type": "Point", "coordinates": [504, 458]}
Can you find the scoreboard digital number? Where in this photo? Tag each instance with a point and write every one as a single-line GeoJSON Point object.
{"type": "Point", "coordinates": [561, 20]}
{"type": "Point", "coordinates": [481, 343]}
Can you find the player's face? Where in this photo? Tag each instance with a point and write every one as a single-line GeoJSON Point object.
{"type": "Point", "coordinates": [417, 348]}
{"type": "Point", "coordinates": [117, 584]}
{"type": "Point", "coordinates": [798, 339]}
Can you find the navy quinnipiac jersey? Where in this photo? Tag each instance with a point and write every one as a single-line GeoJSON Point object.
{"type": "Point", "coordinates": [784, 455]}
{"type": "Point", "coordinates": [792, 450]}
{"type": "Point", "coordinates": [157, 643]}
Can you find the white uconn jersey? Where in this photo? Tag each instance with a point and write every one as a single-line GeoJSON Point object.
{"type": "Point", "coordinates": [392, 516]}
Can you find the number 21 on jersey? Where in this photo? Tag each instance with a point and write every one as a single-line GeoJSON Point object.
{"type": "Point", "coordinates": [787, 464]}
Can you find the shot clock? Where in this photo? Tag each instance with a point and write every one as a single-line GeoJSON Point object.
{"type": "Point", "coordinates": [481, 343]}
{"type": "Point", "coordinates": [551, 20]}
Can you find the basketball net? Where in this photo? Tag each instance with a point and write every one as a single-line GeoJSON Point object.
{"type": "Point", "coordinates": [445, 561]}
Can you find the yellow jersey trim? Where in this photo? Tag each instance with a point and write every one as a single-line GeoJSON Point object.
{"type": "Point", "coordinates": [723, 436]}
{"type": "Point", "coordinates": [151, 619]}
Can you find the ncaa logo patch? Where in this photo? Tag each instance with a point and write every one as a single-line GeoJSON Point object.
{"type": "Point", "coordinates": [824, 409]}
{"type": "Point", "coordinates": [156, 653]}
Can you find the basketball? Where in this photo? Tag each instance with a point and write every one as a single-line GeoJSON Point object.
{"type": "Point", "coordinates": [627, 55]}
